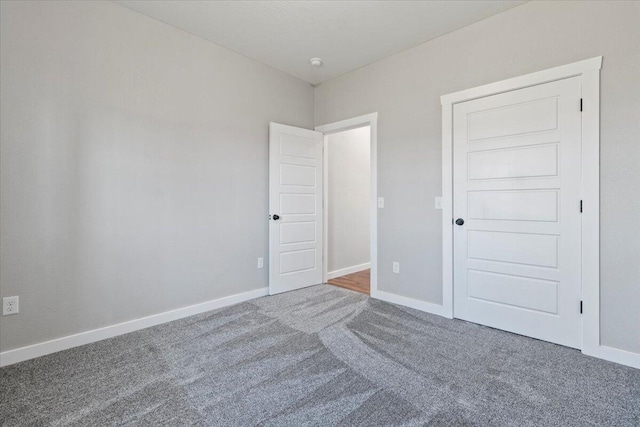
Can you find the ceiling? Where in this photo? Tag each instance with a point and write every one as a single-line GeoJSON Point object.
{"type": "Point", "coordinates": [345, 34]}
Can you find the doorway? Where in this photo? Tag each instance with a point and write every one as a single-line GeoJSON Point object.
{"type": "Point", "coordinates": [347, 207]}
{"type": "Point", "coordinates": [358, 275]}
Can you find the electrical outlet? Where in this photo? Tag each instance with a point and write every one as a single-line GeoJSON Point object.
{"type": "Point", "coordinates": [10, 305]}
{"type": "Point", "coordinates": [381, 202]}
{"type": "Point", "coordinates": [396, 267]}
{"type": "Point", "coordinates": [260, 262]}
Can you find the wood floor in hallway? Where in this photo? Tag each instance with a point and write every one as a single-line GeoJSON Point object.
{"type": "Point", "coordinates": [358, 282]}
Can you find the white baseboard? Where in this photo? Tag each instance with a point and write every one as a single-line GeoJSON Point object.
{"type": "Point", "coordinates": [615, 355]}
{"type": "Point", "coordinates": [36, 350]}
{"type": "Point", "coordinates": [425, 306]}
{"type": "Point", "coordinates": [348, 270]}
{"type": "Point", "coordinates": [10, 357]}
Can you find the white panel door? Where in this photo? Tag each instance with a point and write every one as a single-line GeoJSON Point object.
{"type": "Point", "coordinates": [517, 201]}
{"type": "Point", "coordinates": [295, 207]}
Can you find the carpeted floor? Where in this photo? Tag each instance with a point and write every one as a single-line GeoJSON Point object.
{"type": "Point", "coordinates": [319, 356]}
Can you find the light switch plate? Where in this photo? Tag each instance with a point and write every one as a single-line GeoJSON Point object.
{"type": "Point", "coordinates": [438, 202]}
{"type": "Point", "coordinates": [381, 202]}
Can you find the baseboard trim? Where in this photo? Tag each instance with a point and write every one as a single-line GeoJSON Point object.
{"type": "Point", "coordinates": [348, 270]}
{"type": "Point", "coordinates": [615, 355]}
{"type": "Point", "coordinates": [425, 306]}
{"type": "Point", "coordinates": [10, 357]}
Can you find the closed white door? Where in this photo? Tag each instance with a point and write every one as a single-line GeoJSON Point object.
{"type": "Point", "coordinates": [517, 171]}
{"type": "Point", "coordinates": [295, 207]}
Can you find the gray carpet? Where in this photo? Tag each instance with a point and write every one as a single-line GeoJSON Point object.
{"type": "Point", "coordinates": [319, 356]}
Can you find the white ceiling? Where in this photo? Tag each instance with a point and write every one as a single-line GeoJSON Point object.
{"type": "Point", "coordinates": [345, 34]}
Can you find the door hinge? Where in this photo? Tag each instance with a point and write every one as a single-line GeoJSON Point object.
{"type": "Point", "coordinates": [580, 206]}
{"type": "Point", "coordinates": [580, 307]}
{"type": "Point", "coordinates": [580, 104]}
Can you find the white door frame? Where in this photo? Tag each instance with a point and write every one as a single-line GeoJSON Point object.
{"type": "Point", "coordinates": [589, 72]}
{"type": "Point", "coordinates": [370, 120]}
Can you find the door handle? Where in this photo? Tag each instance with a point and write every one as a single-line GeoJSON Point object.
{"type": "Point", "coordinates": [459, 221]}
{"type": "Point", "coordinates": [276, 217]}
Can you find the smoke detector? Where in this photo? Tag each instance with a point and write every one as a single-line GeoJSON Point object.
{"type": "Point", "coordinates": [316, 62]}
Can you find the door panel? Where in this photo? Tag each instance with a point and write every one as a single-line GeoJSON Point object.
{"type": "Point", "coordinates": [515, 119]}
{"type": "Point", "coordinates": [516, 291]}
{"type": "Point", "coordinates": [297, 204]}
{"type": "Point", "coordinates": [302, 176]}
{"type": "Point", "coordinates": [519, 205]}
{"type": "Point", "coordinates": [509, 163]}
{"type": "Point", "coordinates": [297, 232]}
{"type": "Point", "coordinates": [517, 248]}
{"type": "Point", "coordinates": [295, 196]}
{"type": "Point", "coordinates": [517, 187]}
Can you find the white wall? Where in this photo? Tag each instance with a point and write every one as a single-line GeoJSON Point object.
{"type": "Point", "coordinates": [349, 176]}
{"type": "Point", "coordinates": [405, 90]}
{"type": "Point", "coordinates": [133, 167]}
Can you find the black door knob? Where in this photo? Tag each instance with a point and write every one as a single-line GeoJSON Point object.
{"type": "Point", "coordinates": [459, 221]}
{"type": "Point", "coordinates": [276, 217]}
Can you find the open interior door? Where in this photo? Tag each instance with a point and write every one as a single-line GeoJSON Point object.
{"type": "Point", "coordinates": [295, 208]}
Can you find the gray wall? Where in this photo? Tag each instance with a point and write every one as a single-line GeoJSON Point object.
{"type": "Point", "coordinates": [405, 90]}
{"type": "Point", "coordinates": [134, 167]}
{"type": "Point", "coordinates": [349, 176]}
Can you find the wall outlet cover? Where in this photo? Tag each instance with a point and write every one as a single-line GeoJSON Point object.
{"type": "Point", "coordinates": [396, 267]}
{"type": "Point", "coordinates": [260, 262]}
{"type": "Point", "coordinates": [10, 305]}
